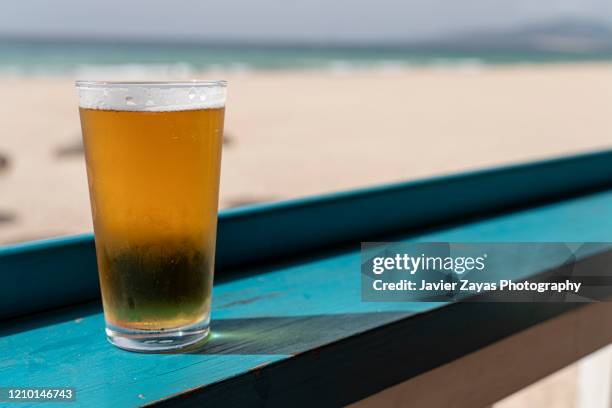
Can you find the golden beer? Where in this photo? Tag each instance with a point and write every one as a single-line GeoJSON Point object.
{"type": "Point", "coordinates": [154, 184]}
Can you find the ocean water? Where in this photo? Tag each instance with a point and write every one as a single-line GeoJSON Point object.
{"type": "Point", "coordinates": [23, 58]}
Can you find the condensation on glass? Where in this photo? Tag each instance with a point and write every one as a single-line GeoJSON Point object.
{"type": "Point", "coordinates": [153, 153]}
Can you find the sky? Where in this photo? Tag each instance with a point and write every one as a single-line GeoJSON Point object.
{"type": "Point", "coordinates": [282, 20]}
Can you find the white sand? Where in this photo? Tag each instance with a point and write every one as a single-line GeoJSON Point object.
{"type": "Point", "coordinates": [294, 134]}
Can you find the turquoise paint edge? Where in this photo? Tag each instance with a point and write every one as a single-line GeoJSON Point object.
{"type": "Point", "coordinates": [47, 243]}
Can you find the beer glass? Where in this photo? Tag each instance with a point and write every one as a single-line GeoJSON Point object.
{"type": "Point", "coordinates": [153, 152]}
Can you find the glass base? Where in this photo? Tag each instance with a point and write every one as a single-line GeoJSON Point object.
{"type": "Point", "coordinates": [156, 341]}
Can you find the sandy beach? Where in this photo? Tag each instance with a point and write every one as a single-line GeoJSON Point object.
{"type": "Point", "coordinates": [293, 134]}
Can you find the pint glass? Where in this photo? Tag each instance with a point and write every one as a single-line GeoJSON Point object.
{"type": "Point", "coordinates": [153, 153]}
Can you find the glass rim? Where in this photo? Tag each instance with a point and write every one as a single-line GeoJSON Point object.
{"type": "Point", "coordinates": [203, 83]}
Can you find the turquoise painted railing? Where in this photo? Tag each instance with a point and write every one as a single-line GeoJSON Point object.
{"type": "Point", "coordinates": [289, 325]}
{"type": "Point", "coordinates": [62, 271]}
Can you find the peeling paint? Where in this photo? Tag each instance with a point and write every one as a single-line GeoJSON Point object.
{"type": "Point", "coordinates": [257, 369]}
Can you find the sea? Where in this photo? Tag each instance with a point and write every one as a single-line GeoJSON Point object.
{"type": "Point", "coordinates": [23, 58]}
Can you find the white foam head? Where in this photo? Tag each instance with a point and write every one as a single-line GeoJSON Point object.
{"type": "Point", "coordinates": [152, 96]}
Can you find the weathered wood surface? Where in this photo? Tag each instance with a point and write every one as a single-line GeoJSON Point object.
{"type": "Point", "coordinates": [295, 333]}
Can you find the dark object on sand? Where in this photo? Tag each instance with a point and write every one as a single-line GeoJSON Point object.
{"type": "Point", "coordinates": [7, 217]}
{"type": "Point", "coordinates": [246, 200]}
{"type": "Point", "coordinates": [227, 139]}
{"type": "Point", "coordinates": [70, 150]}
{"type": "Point", "coordinates": [4, 162]}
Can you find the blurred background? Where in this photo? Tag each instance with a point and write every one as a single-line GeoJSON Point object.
{"type": "Point", "coordinates": [323, 96]}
